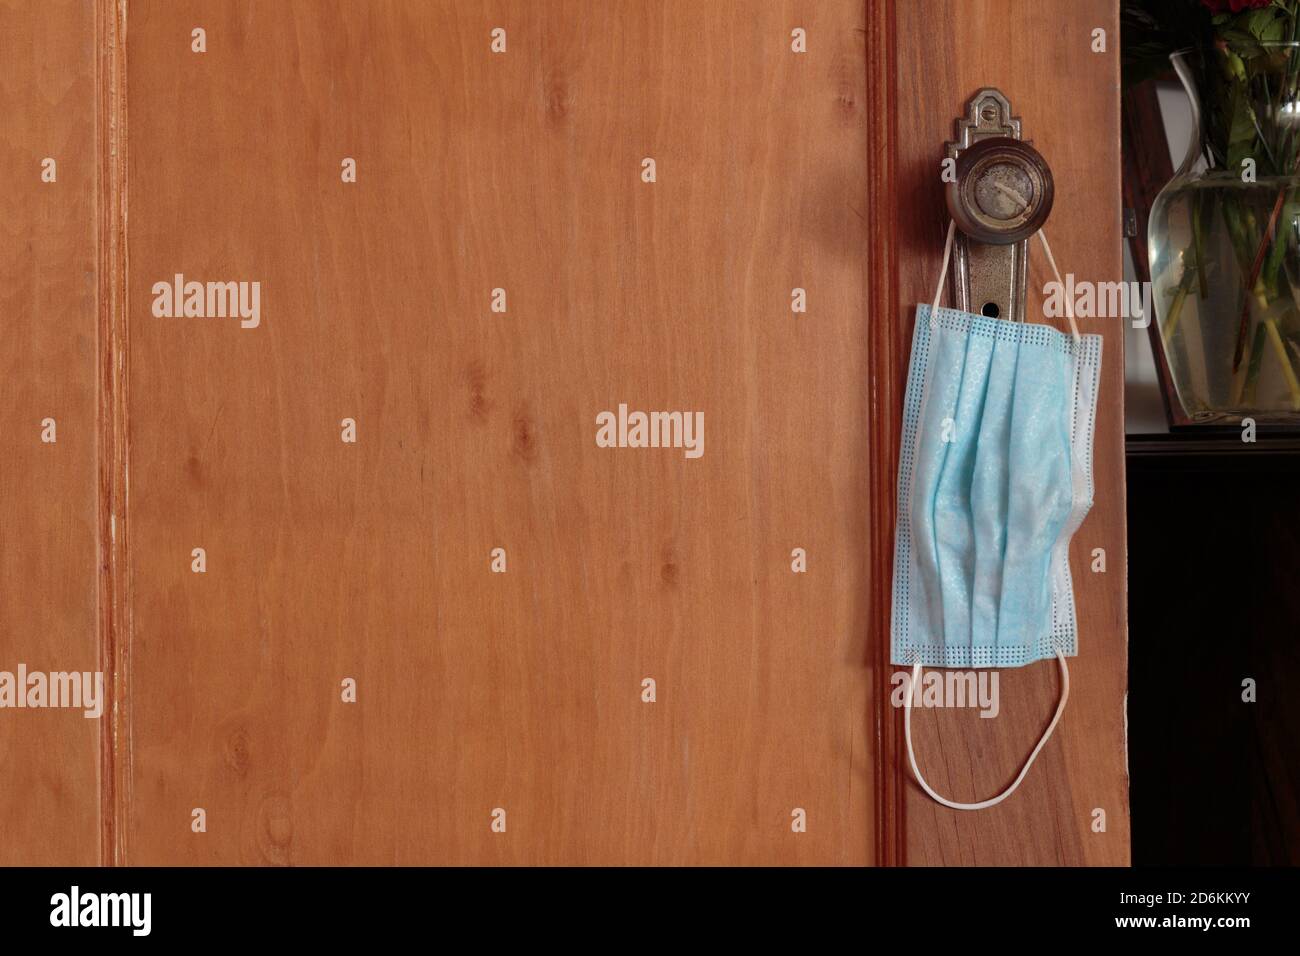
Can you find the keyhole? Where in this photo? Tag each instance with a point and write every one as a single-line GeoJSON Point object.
{"type": "Point", "coordinates": [991, 310]}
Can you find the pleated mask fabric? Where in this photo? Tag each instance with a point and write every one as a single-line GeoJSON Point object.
{"type": "Point", "coordinates": [995, 476]}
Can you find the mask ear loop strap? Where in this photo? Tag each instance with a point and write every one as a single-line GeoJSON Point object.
{"type": "Point", "coordinates": [992, 801]}
{"type": "Point", "coordinates": [943, 274]}
{"type": "Point", "coordinates": [1051, 261]}
{"type": "Point", "coordinates": [1069, 306]}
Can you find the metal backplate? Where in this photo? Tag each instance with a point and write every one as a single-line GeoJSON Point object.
{"type": "Point", "coordinates": [988, 277]}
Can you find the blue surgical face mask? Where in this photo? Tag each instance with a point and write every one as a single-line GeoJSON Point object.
{"type": "Point", "coordinates": [994, 477]}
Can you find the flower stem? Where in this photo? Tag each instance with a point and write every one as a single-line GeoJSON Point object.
{"type": "Point", "coordinates": [1176, 305]}
{"type": "Point", "coordinates": [1198, 243]}
{"type": "Point", "coordinates": [1287, 371]}
{"type": "Point", "coordinates": [1243, 324]}
{"type": "Point", "coordinates": [1253, 366]}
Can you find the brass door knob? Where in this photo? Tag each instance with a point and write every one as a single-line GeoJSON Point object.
{"type": "Point", "coordinates": [1003, 191]}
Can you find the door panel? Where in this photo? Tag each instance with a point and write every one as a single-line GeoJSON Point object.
{"type": "Point", "coordinates": [476, 430]}
{"type": "Point", "coordinates": [49, 518]}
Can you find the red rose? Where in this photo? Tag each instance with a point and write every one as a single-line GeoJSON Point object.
{"type": "Point", "coordinates": [1233, 6]}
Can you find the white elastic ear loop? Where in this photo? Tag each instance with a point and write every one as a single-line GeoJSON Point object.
{"type": "Point", "coordinates": [943, 274]}
{"type": "Point", "coordinates": [1069, 306]}
{"type": "Point", "coordinates": [992, 801]}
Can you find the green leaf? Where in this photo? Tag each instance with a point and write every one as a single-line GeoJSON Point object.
{"type": "Point", "coordinates": [1241, 129]}
{"type": "Point", "coordinates": [1241, 42]}
{"type": "Point", "coordinates": [1264, 24]}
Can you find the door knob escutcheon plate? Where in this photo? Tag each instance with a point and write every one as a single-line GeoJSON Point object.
{"type": "Point", "coordinates": [1002, 195]}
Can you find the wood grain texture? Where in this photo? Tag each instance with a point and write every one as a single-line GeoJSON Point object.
{"type": "Point", "coordinates": [1039, 55]}
{"type": "Point", "coordinates": [49, 803]}
{"type": "Point", "coordinates": [476, 430]}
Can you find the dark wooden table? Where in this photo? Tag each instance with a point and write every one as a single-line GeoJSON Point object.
{"type": "Point", "coordinates": [1214, 558]}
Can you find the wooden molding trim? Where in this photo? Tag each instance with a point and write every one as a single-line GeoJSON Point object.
{"type": "Point", "coordinates": [886, 358]}
{"type": "Point", "coordinates": [114, 608]}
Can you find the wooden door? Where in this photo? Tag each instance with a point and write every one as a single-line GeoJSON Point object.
{"type": "Point", "coordinates": [373, 588]}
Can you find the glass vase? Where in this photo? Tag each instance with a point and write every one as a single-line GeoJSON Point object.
{"type": "Point", "coordinates": [1224, 239]}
